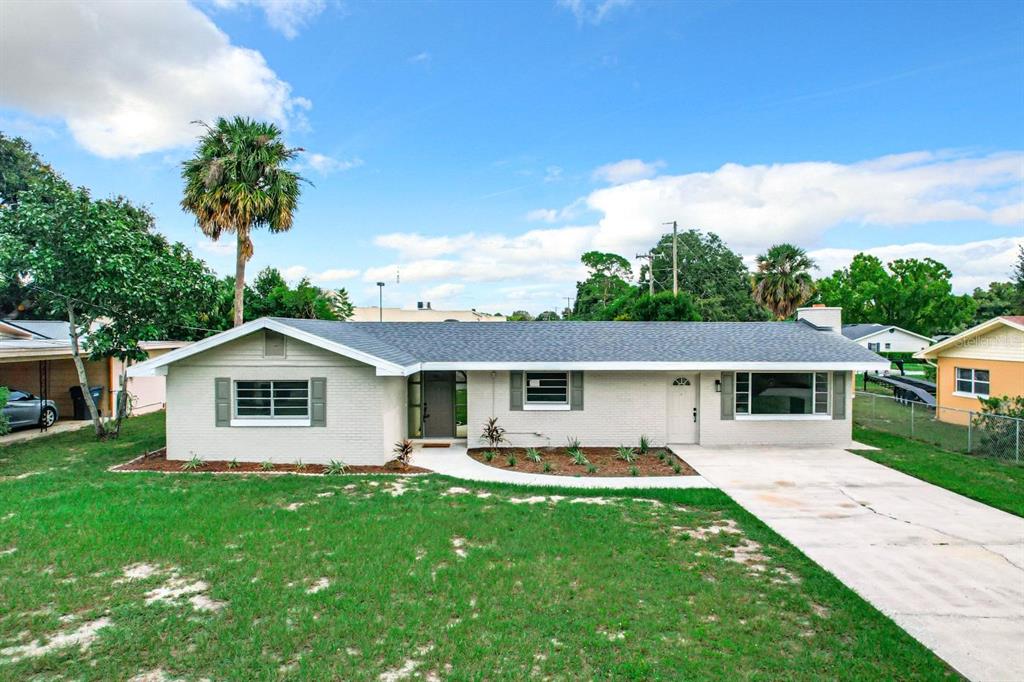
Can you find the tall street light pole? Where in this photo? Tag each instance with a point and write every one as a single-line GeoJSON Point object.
{"type": "Point", "coordinates": [380, 305]}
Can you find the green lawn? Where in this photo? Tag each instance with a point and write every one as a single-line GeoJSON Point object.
{"type": "Point", "coordinates": [994, 482]}
{"type": "Point", "coordinates": [358, 577]}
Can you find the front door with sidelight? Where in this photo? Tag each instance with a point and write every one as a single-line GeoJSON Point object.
{"type": "Point", "coordinates": [438, 404]}
{"type": "Point", "coordinates": [682, 410]}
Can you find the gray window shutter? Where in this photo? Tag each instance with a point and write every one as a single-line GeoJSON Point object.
{"type": "Point", "coordinates": [222, 401]}
{"type": "Point", "coordinates": [318, 401]}
{"type": "Point", "coordinates": [839, 395]}
{"type": "Point", "coordinates": [515, 391]}
{"type": "Point", "coordinates": [273, 344]}
{"type": "Point", "coordinates": [728, 395]}
{"type": "Point", "coordinates": [576, 382]}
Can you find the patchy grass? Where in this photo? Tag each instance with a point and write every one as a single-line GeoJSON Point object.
{"type": "Point", "coordinates": [994, 482]}
{"type": "Point", "coordinates": [118, 575]}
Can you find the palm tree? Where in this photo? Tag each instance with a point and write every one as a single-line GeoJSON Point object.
{"type": "Point", "coordinates": [783, 282]}
{"type": "Point", "coordinates": [237, 182]}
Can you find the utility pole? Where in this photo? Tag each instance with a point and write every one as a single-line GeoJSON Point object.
{"type": "Point", "coordinates": [650, 269]}
{"type": "Point", "coordinates": [675, 258]}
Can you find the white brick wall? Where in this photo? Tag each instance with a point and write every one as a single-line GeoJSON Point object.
{"type": "Point", "coordinates": [618, 408]}
{"type": "Point", "coordinates": [715, 431]}
{"type": "Point", "coordinates": [361, 407]}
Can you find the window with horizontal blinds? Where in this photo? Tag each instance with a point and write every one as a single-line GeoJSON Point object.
{"type": "Point", "coordinates": [547, 388]}
{"type": "Point", "coordinates": [272, 399]}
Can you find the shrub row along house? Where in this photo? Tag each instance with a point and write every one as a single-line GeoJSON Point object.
{"type": "Point", "coordinates": [282, 389]}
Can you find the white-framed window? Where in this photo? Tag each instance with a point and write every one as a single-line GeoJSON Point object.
{"type": "Point", "coordinates": [272, 399]}
{"type": "Point", "coordinates": [974, 382]}
{"type": "Point", "coordinates": [546, 390]}
{"type": "Point", "coordinates": [782, 394]}
{"type": "Point", "coordinates": [874, 346]}
{"type": "Point", "coordinates": [888, 346]}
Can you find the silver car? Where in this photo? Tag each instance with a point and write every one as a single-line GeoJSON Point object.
{"type": "Point", "coordinates": [25, 409]}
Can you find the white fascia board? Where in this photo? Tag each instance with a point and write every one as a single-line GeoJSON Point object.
{"type": "Point", "coordinates": [152, 367]}
{"type": "Point", "coordinates": [886, 331]}
{"type": "Point", "coordinates": [930, 352]}
{"type": "Point", "coordinates": [659, 366]}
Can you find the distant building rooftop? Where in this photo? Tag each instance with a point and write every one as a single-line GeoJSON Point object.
{"type": "Point", "coordinates": [423, 312]}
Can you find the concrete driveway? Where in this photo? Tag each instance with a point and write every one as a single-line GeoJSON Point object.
{"type": "Point", "coordinates": [949, 570]}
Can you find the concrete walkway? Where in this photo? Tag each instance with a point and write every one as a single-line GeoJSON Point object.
{"type": "Point", "coordinates": [947, 569]}
{"type": "Point", "coordinates": [453, 461]}
{"type": "Point", "coordinates": [30, 433]}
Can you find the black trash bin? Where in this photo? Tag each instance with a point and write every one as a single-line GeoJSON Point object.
{"type": "Point", "coordinates": [80, 409]}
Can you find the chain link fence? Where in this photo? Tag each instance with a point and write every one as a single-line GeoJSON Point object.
{"type": "Point", "coordinates": [975, 433]}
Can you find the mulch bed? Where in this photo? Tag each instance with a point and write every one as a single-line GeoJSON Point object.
{"type": "Point", "coordinates": [157, 461]}
{"type": "Point", "coordinates": [605, 459]}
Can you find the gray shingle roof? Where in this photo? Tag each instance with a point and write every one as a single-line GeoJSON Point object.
{"type": "Point", "coordinates": [406, 343]}
{"type": "Point", "coordinates": [859, 331]}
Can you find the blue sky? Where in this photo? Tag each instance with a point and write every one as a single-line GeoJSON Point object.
{"type": "Point", "coordinates": [480, 148]}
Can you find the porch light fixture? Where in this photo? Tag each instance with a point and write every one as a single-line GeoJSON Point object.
{"type": "Point", "coordinates": [718, 385]}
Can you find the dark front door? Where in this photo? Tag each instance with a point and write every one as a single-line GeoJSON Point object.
{"type": "Point", "coordinates": [438, 406]}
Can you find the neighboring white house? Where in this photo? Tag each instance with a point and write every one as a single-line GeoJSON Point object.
{"type": "Point", "coordinates": [423, 312]}
{"type": "Point", "coordinates": [882, 338]}
{"type": "Point", "coordinates": [281, 390]}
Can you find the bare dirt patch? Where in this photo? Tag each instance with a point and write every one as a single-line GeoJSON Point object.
{"type": "Point", "coordinates": [606, 460]}
{"type": "Point", "coordinates": [81, 637]}
{"type": "Point", "coordinates": [157, 461]}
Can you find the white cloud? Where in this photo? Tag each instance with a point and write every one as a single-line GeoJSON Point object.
{"type": "Point", "coordinates": [324, 165]}
{"type": "Point", "coordinates": [223, 247]}
{"type": "Point", "coordinates": [442, 292]}
{"type": "Point", "coordinates": [420, 58]}
{"type": "Point", "coordinates": [627, 170]}
{"type": "Point", "coordinates": [974, 264]}
{"type": "Point", "coordinates": [285, 16]}
{"type": "Point", "coordinates": [555, 215]}
{"type": "Point", "coordinates": [294, 273]}
{"type": "Point", "coordinates": [751, 207]}
{"type": "Point", "coordinates": [592, 12]}
{"type": "Point", "coordinates": [129, 77]}
{"type": "Point", "coordinates": [552, 174]}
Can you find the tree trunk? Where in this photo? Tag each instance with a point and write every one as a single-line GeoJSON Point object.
{"type": "Point", "coordinates": [83, 379]}
{"type": "Point", "coordinates": [240, 258]}
{"type": "Point", "coordinates": [122, 399]}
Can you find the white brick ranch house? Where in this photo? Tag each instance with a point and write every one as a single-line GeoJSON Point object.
{"type": "Point", "coordinates": [281, 389]}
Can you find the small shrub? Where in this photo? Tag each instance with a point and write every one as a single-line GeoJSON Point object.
{"type": "Point", "coordinates": [633, 471]}
{"type": "Point", "coordinates": [511, 460]}
{"type": "Point", "coordinates": [574, 443]}
{"type": "Point", "coordinates": [547, 467]}
{"type": "Point", "coordinates": [489, 455]}
{"type": "Point", "coordinates": [267, 465]}
{"type": "Point", "coordinates": [403, 452]}
{"type": "Point", "coordinates": [492, 433]}
{"type": "Point", "coordinates": [5, 421]}
{"type": "Point", "coordinates": [661, 455]}
{"type": "Point", "coordinates": [626, 454]}
{"type": "Point", "coordinates": [591, 468]}
{"type": "Point", "coordinates": [299, 466]}
{"type": "Point", "coordinates": [336, 468]}
{"type": "Point", "coordinates": [676, 468]}
{"type": "Point", "coordinates": [645, 445]}
{"type": "Point", "coordinates": [577, 456]}
{"type": "Point", "coordinates": [533, 455]}
{"type": "Point", "coordinates": [233, 464]}
{"type": "Point", "coordinates": [193, 464]}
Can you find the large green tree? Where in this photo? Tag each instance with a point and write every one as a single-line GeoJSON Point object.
{"type": "Point", "coordinates": [639, 305]}
{"type": "Point", "coordinates": [237, 182]}
{"type": "Point", "coordinates": [1000, 298]}
{"type": "Point", "coordinates": [782, 282]}
{"type": "Point", "coordinates": [99, 265]}
{"type": "Point", "coordinates": [712, 274]}
{"type": "Point", "coordinates": [608, 279]}
{"type": "Point", "coordinates": [1018, 278]}
{"type": "Point", "coordinates": [909, 293]}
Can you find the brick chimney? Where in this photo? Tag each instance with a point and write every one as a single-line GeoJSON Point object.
{"type": "Point", "coordinates": [822, 316]}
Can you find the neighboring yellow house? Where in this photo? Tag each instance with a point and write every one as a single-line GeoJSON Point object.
{"type": "Point", "coordinates": [986, 360]}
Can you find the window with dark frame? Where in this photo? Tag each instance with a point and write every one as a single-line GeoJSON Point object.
{"type": "Point", "coordinates": [546, 388]}
{"type": "Point", "coordinates": [972, 381]}
{"type": "Point", "coordinates": [782, 393]}
{"type": "Point", "coordinates": [272, 399]}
